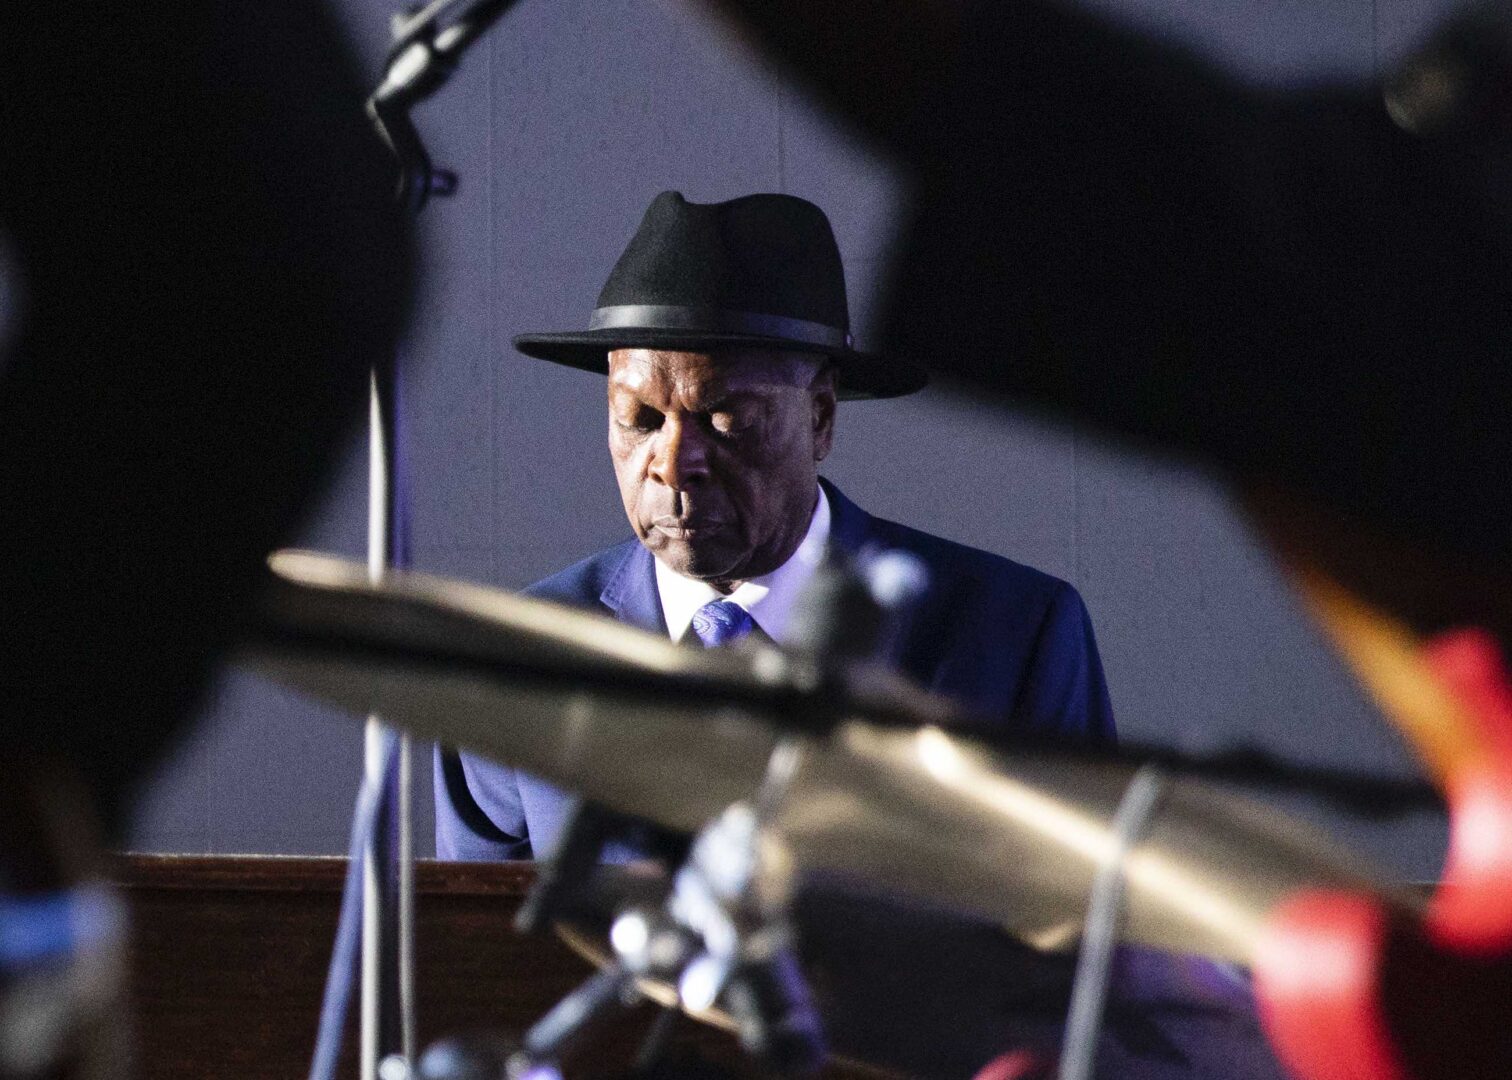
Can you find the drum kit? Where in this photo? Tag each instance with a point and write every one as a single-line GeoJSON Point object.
{"type": "Point", "coordinates": [834, 811]}
{"type": "Point", "coordinates": [840, 871]}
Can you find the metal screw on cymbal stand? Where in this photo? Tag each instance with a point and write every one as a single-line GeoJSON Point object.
{"type": "Point", "coordinates": [394, 1067]}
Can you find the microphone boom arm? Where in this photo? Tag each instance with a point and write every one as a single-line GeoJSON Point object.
{"type": "Point", "coordinates": [428, 43]}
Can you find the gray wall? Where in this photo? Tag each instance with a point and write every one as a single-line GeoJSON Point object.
{"type": "Point", "coordinates": [563, 126]}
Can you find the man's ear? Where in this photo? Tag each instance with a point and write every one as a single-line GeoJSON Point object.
{"type": "Point", "coordinates": [822, 397]}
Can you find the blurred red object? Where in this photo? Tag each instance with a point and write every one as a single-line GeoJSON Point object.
{"type": "Point", "coordinates": [1350, 989]}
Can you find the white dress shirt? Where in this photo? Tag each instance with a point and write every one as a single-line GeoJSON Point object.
{"type": "Point", "coordinates": [768, 599]}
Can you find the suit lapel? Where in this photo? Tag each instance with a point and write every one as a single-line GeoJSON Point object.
{"type": "Point", "coordinates": [631, 593]}
{"type": "Point", "coordinates": [850, 526]}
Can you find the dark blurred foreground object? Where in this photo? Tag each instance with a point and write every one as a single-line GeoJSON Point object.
{"type": "Point", "coordinates": [1287, 285]}
{"type": "Point", "coordinates": [1308, 290]}
{"type": "Point", "coordinates": [203, 258]}
{"type": "Point", "coordinates": [1460, 79]}
{"type": "Point", "coordinates": [199, 227]}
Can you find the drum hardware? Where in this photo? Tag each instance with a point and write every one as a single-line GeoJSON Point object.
{"type": "Point", "coordinates": [891, 797]}
{"type": "Point", "coordinates": [889, 800]}
{"type": "Point", "coordinates": [722, 934]}
{"type": "Point", "coordinates": [850, 619]}
{"type": "Point", "coordinates": [566, 876]}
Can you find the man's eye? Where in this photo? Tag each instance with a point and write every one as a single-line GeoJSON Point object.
{"type": "Point", "coordinates": [641, 421]}
{"type": "Point", "coordinates": [726, 423]}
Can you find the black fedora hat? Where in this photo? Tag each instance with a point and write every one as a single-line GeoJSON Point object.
{"type": "Point", "coordinates": [760, 271]}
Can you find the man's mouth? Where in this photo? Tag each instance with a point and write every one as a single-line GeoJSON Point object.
{"type": "Point", "coordinates": [684, 528]}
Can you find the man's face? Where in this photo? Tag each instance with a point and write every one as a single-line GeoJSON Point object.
{"type": "Point", "coordinates": [717, 455]}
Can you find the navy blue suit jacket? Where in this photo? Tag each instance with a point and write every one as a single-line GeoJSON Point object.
{"type": "Point", "coordinates": [1011, 643]}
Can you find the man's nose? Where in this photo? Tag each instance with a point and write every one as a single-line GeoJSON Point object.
{"type": "Point", "coordinates": [681, 459]}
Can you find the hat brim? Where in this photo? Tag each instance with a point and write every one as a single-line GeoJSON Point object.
{"type": "Point", "coordinates": [861, 375]}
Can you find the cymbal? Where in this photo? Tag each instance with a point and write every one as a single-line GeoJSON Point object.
{"type": "Point", "coordinates": [675, 735]}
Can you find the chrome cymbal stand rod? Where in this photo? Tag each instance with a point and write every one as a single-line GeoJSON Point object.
{"type": "Point", "coordinates": [1089, 991]}
{"type": "Point", "coordinates": [387, 1001]}
{"type": "Point", "coordinates": [428, 43]}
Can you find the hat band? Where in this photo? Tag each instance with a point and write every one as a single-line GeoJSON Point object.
{"type": "Point", "coordinates": [716, 321]}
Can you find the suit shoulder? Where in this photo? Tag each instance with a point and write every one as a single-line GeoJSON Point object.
{"type": "Point", "coordinates": [584, 581]}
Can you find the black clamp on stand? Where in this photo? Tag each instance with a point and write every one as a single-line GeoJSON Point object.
{"type": "Point", "coordinates": [853, 616]}
{"type": "Point", "coordinates": [563, 879]}
{"type": "Point", "coordinates": [428, 42]}
{"type": "Point", "coordinates": [721, 937]}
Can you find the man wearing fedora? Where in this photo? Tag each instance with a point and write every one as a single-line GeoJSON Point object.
{"type": "Point", "coordinates": [724, 333]}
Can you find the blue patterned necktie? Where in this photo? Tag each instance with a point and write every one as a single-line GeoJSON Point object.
{"type": "Point", "coordinates": [720, 622]}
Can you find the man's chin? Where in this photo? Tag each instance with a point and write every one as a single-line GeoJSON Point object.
{"type": "Point", "coordinates": [703, 563]}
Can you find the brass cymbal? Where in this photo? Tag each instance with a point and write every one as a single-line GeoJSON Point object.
{"type": "Point", "coordinates": [674, 735]}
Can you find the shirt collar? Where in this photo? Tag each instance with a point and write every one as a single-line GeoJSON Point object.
{"type": "Point", "coordinates": [769, 599]}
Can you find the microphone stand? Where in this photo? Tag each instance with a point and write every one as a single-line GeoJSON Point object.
{"type": "Point", "coordinates": [428, 43]}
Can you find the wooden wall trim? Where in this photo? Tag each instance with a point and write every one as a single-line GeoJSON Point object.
{"type": "Point", "coordinates": [278, 873]}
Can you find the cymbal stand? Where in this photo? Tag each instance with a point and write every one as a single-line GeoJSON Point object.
{"type": "Point", "coordinates": [735, 893]}
{"type": "Point", "coordinates": [1089, 991]}
{"type": "Point", "coordinates": [428, 43]}
{"type": "Point", "coordinates": [723, 933]}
